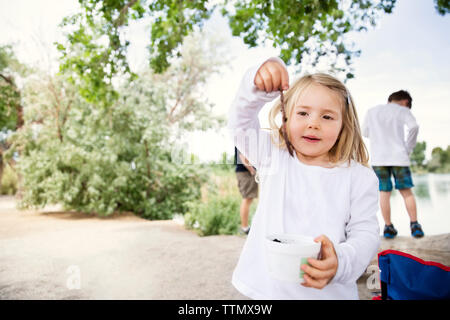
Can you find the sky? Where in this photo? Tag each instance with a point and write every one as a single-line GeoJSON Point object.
{"type": "Point", "coordinates": [408, 50]}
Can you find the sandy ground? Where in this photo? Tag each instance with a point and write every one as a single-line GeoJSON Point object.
{"type": "Point", "coordinates": [62, 255]}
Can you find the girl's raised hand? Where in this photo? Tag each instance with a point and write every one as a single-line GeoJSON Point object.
{"type": "Point", "coordinates": [272, 76]}
{"type": "Point", "coordinates": [320, 272]}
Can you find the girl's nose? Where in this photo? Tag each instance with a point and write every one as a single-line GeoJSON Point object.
{"type": "Point", "coordinates": [313, 123]}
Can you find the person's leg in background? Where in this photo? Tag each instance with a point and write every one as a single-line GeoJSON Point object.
{"type": "Point", "coordinates": [385, 206]}
{"type": "Point", "coordinates": [385, 186]}
{"type": "Point", "coordinates": [404, 184]}
{"type": "Point", "coordinates": [244, 211]}
{"type": "Point", "coordinates": [410, 203]}
{"type": "Point", "coordinates": [248, 189]}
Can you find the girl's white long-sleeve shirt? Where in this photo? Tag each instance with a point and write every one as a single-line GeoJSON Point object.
{"type": "Point", "coordinates": [339, 202]}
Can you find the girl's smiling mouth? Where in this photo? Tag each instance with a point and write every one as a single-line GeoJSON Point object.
{"type": "Point", "coordinates": [311, 139]}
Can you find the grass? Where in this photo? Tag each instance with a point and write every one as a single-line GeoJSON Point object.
{"type": "Point", "coordinates": [218, 210]}
{"type": "Point", "coordinates": [8, 184]}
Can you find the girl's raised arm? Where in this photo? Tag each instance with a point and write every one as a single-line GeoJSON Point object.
{"type": "Point", "coordinates": [257, 87]}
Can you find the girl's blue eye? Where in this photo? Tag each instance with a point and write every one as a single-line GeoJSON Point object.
{"type": "Point", "coordinates": [328, 117]}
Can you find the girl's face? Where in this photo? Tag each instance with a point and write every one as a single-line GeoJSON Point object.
{"type": "Point", "coordinates": [315, 123]}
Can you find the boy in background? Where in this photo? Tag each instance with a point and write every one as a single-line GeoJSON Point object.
{"type": "Point", "coordinates": [384, 126]}
{"type": "Point", "coordinates": [245, 174]}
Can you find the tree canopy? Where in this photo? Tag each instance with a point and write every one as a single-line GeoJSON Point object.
{"type": "Point", "coordinates": [306, 31]}
{"type": "Point", "coordinates": [96, 46]}
{"type": "Point", "coordinates": [439, 162]}
{"type": "Point", "coordinates": [418, 155]}
{"type": "Point", "coordinates": [120, 158]}
{"type": "Point", "coordinates": [442, 6]}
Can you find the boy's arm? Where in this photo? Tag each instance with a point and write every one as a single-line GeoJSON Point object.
{"type": "Point", "coordinates": [365, 126]}
{"type": "Point", "coordinates": [362, 229]}
{"type": "Point", "coordinates": [243, 122]}
{"type": "Point", "coordinates": [413, 131]}
{"type": "Point", "coordinates": [247, 164]}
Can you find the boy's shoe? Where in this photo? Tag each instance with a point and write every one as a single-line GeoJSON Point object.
{"type": "Point", "coordinates": [244, 230]}
{"type": "Point", "coordinates": [389, 231]}
{"type": "Point", "coordinates": [416, 230]}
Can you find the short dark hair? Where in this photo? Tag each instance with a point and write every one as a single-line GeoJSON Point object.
{"type": "Point", "coordinates": [401, 95]}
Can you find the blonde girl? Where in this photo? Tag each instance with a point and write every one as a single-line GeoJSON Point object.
{"type": "Point", "coordinates": [315, 182]}
{"type": "Point", "coordinates": [349, 144]}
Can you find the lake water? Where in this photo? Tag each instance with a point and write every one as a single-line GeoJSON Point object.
{"type": "Point", "coordinates": [432, 193]}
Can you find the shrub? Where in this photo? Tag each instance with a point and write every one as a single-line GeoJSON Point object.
{"type": "Point", "coordinates": [9, 181]}
{"type": "Point", "coordinates": [115, 150]}
{"type": "Point", "coordinates": [219, 215]}
{"type": "Point", "coordinates": [105, 161]}
{"type": "Point", "coordinates": [109, 169]}
{"type": "Point", "coordinates": [218, 211]}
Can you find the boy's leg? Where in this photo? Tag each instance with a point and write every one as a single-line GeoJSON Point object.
{"type": "Point", "coordinates": [385, 186]}
{"type": "Point", "coordinates": [410, 203]}
{"type": "Point", "coordinates": [404, 184]}
{"type": "Point", "coordinates": [244, 211]}
{"type": "Point", "coordinates": [385, 206]}
{"type": "Point", "coordinates": [249, 190]}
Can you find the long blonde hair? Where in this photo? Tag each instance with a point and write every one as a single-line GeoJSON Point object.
{"type": "Point", "coordinates": [349, 144]}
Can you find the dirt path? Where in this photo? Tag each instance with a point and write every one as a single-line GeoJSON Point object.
{"type": "Point", "coordinates": [61, 255]}
{"type": "Point", "coordinates": [47, 255]}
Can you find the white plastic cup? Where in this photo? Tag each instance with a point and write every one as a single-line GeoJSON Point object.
{"type": "Point", "coordinates": [285, 258]}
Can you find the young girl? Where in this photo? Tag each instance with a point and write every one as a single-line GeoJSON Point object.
{"type": "Point", "coordinates": [324, 189]}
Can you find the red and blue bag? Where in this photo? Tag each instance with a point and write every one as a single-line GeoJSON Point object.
{"type": "Point", "coordinates": [406, 277]}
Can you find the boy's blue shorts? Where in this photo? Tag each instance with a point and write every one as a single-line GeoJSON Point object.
{"type": "Point", "coordinates": [402, 177]}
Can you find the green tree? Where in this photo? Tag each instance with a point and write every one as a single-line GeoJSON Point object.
{"type": "Point", "coordinates": [101, 161]}
{"type": "Point", "coordinates": [9, 93]}
{"type": "Point", "coordinates": [120, 158]}
{"type": "Point", "coordinates": [11, 109]}
{"type": "Point", "coordinates": [96, 46]}
{"type": "Point", "coordinates": [440, 160]}
{"type": "Point", "coordinates": [442, 6]}
{"type": "Point", "coordinates": [435, 162]}
{"type": "Point", "coordinates": [306, 31]}
{"type": "Point", "coordinates": [418, 155]}
{"type": "Point", "coordinates": [180, 89]}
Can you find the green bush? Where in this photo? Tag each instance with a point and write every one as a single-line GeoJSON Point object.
{"type": "Point", "coordinates": [218, 211]}
{"type": "Point", "coordinates": [116, 150]}
{"type": "Point", "coordinates": [219, 215]}
{"type": "Point", "coordinates": [130, 170]}
{"type": "Point", "coordinates": [9, 181]}
{"type": "Point", "coordinates": [104, 161]}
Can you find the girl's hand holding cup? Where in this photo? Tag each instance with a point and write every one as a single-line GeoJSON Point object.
{"type": "Point", "coordinates": [320, 272]}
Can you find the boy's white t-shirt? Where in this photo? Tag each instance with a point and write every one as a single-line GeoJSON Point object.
{"type": "Point", "coordinates": [385, 125]}
{"type": "Point", "coordinates": [340, 203]}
